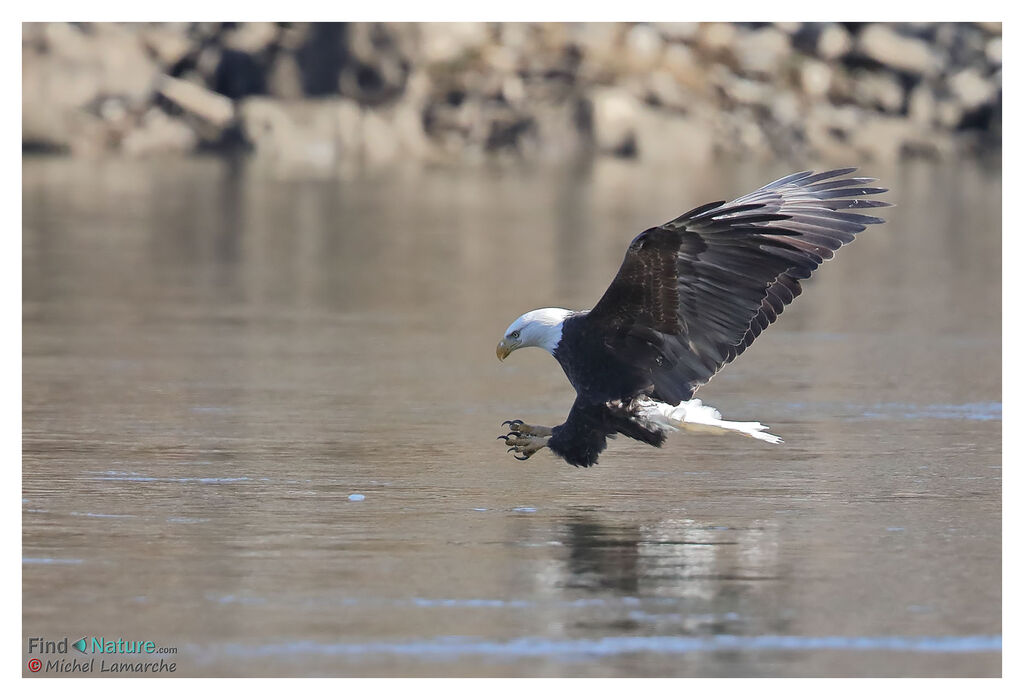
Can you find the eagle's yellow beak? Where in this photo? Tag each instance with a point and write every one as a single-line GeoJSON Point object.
{"type": "Point", "coordinates": [504, 349]}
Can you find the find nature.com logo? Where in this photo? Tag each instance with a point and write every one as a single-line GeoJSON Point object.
{"type": "Point", "coordinates": [102, 646]}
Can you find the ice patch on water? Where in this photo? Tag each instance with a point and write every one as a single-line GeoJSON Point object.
{"type": "Point", "coordinates": [48, 560]}
{"type": "Point", "coordinates": [975, 411]}
{"type": "Point", "coordinates": [231, 598]}
{"type": "Point", "coordinates": [568, 649]}
{"type": "Point", "coordinates": [180, 480]}
{"type": "Point", "coordinates": [983, 411]}
{"type": "Point", "coordinates": [469, 603]}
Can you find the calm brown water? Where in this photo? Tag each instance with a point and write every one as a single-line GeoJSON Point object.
{"type": "Point", "coordinates": [216, 359]}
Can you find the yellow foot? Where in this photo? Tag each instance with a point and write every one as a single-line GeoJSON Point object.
{"type": "Point", "coordinates": [525, 440]}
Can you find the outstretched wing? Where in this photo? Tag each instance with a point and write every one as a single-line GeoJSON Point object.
{"type": "Point", "coordinates": [693, 294]}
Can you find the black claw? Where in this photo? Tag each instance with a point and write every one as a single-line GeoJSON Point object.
{"type": "Point", "coordinates": [521, 459]}
{"type": "Point", "coordinates": [511, 449]}
{"type": "Point", "coordinates": [515, 432]}
{"type": "Point", "coordinates": [503, 437]}
{"type": "Point", "coordinates": [508, 422]}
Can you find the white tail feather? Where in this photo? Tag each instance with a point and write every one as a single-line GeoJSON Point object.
{"type": "Point", "coordinates": [693, 415]}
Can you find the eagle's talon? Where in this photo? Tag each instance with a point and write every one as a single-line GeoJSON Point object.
{"type": "Point", "coordinates": [525, 445]}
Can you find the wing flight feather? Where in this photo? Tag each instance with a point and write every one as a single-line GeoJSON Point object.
{"type": "Point", "coordinates": [698, 290]}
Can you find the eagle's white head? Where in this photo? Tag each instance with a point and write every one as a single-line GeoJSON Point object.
{"type": "Point", "coordinates": [541, 328]}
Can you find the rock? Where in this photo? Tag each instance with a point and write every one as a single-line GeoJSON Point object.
{"type": "Point", "coordinates": [555, 132]}
{"type": "Point", "coordinates": [680, 61]}
{"type": "Point", "coordinates": [374, 83]}
{"type": "Point", "coordinates": [615, 114]}
{"type": "Point", "coordinates": [716, 37]}
{"type": "Point", "coordinates": [284, 79]}
{"type": "Point", "coordinates": [322, 132]}
{"type": "Point", "coordinates": [738, 134]}
{"type": "Point", "coordinates": [880, 138]}
{"type": "Point", "coordinates": [599, 41]}
{"type": "Point", "coordinates": [317, 133]}
{"type": "Point", "coordinates": [250, 37]}
{"type": "Point", "coordinates": [881, 43]}
{"type": "Point", "coordinates": [52, 97]}
{"type": "Point", "coordinates": [399, 132]}
{"type": "Point", "coordinates": [994, 51]}
{"type": "Point", "coordinates": [521, 91]}
{"type": "Point", "coordinates": [666, 91]}
{"type": "Point", "coordinates": [644, 45]}
{"type": "Point", "coordinates": [762, 52]}
{"type": "Point", "coordinates": [348, 122]}
{"type": "Point", "coordinates": [950, 113]}
{"type": "Point", "coordinates": [921, 105]}
{"type": "Point", "coordinates": [195, 99]}
{"type": "Point", "coordinates": [71, 43]}
{"type": "Point", "coordinates": [834, 42]}
{"type": "Point", "coordinates": [886, 139]}
{"type": "Point", "coordinates": [127, 68]}
{"type": "Point", "coordinates": [678, 31]}
{"type": "Point", "coordinates": [786, 108]}
{"type": "Point", "coordinates": [376, 67]}
{"type": "Point", "coordinates": [828, 130]}
{"type": "Point", "coordinates": [442, 42]}
{"type": "Point", "coordinates": [512, 90]}
{"type": "Point", "coordinates": [206, 63]}
{"type": "Point", "coordinates": [788, 28]}
{"type": "Point", "coordinates": [110, 57]}
{"type": "Point", "coordinates": [881, 90]}
{"type": "Point", "coordinates": [815, 77]}
{"type": "Point", "coordinates": [971, 89]}
{"type": "Point", "coordinates": [168, 43]}
{"type": "Point", "coordinates": [501, 60]}
{"type": "Point", "coordinates": [293, 36]}
{"type": "Point", "coordinates": [70, 72]}
{"type": "Point", "coordinates": [380, 144]}
{"type": "Point", "coordinates": [741, 90]}
{"type": "Point", "coordinates": [516, 36]}
{"type": "Point", "coordinates": [89, 136]}
{"type": "Point", "coordinates": [159, 134]}
{"type": "Point", "coordinates": [667, 138]}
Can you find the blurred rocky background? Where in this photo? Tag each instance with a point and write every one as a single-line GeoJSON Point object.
{"type": "Point", "coordinates": [327, 94]}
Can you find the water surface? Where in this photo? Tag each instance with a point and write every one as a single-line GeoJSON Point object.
{"type": "Point", "coordinates": [219, 360]}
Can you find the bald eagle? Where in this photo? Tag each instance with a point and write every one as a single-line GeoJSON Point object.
{"type": "Point", "coordinates": [690, 296]}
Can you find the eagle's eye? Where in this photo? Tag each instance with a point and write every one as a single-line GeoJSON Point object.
{"type": "Point", "coordinates": [514, 334]}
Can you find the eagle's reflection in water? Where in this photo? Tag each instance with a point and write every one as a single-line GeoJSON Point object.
{"type": "Point", "coordinates": [674, 575]}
